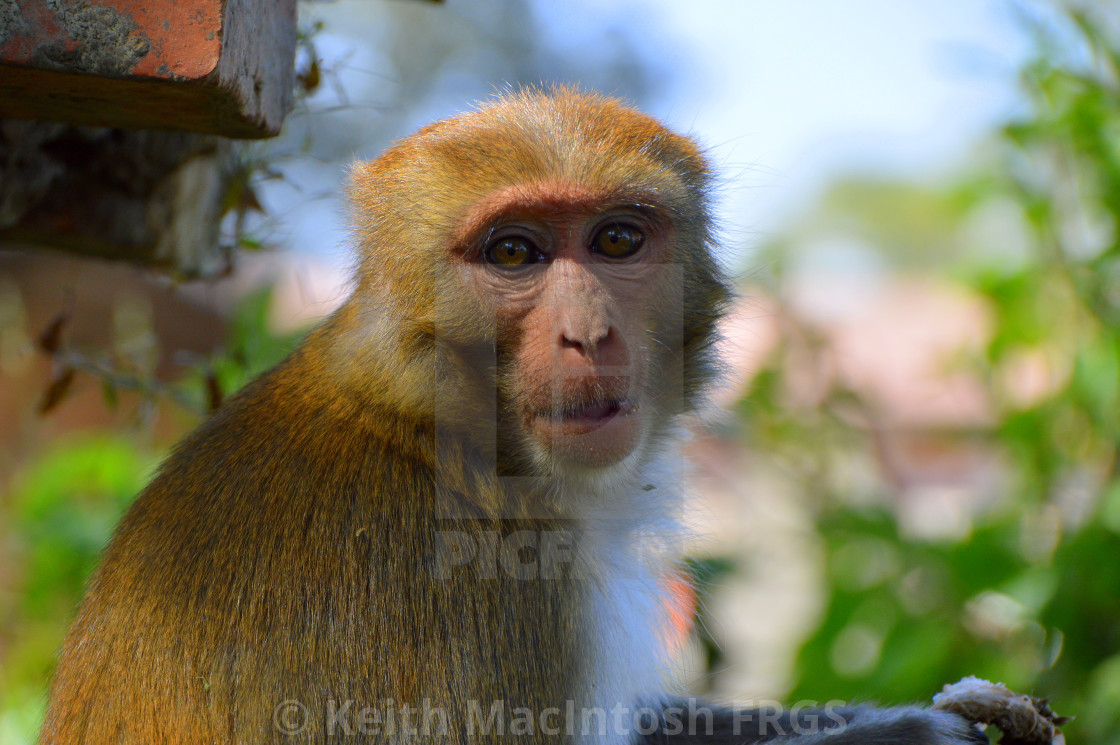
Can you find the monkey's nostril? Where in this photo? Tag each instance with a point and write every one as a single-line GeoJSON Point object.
{"type": "Point", "coordinates": [580, 354]}
{"type": "Point", "coordinates": [590, 345]}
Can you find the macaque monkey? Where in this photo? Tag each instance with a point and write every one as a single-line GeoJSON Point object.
{"type": "Point", "coordinates": [431, 522]}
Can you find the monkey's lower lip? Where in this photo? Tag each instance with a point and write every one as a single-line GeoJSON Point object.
{"type": "Point", "coordinates": [594, 435]}
{"type": "Point", "coordinates": [590, 417]}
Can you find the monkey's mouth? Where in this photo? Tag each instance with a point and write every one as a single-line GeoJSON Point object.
{"type": "Point", "coordinates": [590, 416]}
{"type": "Point", "coordinates": [594, 433]}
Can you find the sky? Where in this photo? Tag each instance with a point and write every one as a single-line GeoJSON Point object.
{"type": "Point", "coordinates": [810, 89]}
{"type": "Point", "coordinates": [785, 95]}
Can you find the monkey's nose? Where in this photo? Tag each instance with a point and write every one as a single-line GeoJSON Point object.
{"type": "Point", "coordinates": [583, 344]}
{"type": "Point", "coordinates": [605, 348]}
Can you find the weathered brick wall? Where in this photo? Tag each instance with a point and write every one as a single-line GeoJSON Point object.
{"type": "Point", "coordinates": [113, 119]}
{"type": "Point", "coordinates": [213, 66]}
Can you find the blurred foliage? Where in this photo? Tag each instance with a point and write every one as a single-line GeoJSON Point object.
{"type": "Point", "coordinates": [1031, 595]}
{"type": "Point", "coordinates": [252, 347]}
{"type": "Point", "coordinates": [61, 509]}
{"type": "Point", "coordinates": [60, 514]}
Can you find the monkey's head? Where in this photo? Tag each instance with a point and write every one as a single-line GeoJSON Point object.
{"type": "Point", "coordinates": [540, 269]}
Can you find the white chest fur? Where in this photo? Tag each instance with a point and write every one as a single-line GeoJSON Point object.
{"type": "Point", "coordinates": [632, 541]}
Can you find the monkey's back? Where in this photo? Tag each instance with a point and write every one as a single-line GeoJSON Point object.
{"type": "Point", "coordinates": [282, 554]}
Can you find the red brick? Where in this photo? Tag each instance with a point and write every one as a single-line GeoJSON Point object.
{"type": "Point", "coordinates": [213, 66]}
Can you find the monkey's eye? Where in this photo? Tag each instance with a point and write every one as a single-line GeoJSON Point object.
{"type": "Point", "coordinates": [512, 252]}
{"type": "Point", "coordinates": [617, 241]}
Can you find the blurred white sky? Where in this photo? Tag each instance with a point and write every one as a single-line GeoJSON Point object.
{"type": "Point", "coordinates": [785, 94]}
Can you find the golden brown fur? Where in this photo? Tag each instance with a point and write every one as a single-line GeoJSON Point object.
{"type": "Point", "coordinates": [285, 551]}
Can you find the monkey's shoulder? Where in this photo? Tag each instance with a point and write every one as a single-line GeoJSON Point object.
{"type": "Point", "coordinates": [292, 430]}
{"type": "Point", "coordinates": [279, 476]}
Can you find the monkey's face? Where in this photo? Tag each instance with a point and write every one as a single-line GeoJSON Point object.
{"type": "Point", "coordinates": [576, 289]}
{"type": "Point", "coordinates": [564, 232]}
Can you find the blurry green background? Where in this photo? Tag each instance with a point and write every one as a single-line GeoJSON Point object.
{"type": "Point", "coordinates": [912, 474]}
